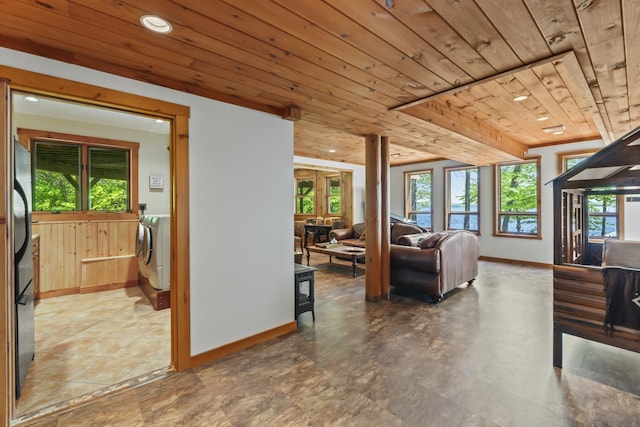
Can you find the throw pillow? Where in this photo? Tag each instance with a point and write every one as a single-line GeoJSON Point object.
{"type": "Point", "coordinates": [431, 241]}
{"type": "Point", "coordinates": [361, 236]}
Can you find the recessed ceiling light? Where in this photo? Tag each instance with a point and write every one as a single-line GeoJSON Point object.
{"type": "Point", "coordinates": [31, 99]}
{"type": "Point", "coordinates": [556, 130]}
{"type": "Point", "coordinates": [159, 121]}
{"type": "Point", "coordinates": [542, 118]}
{"type": "Point", "coordinates": [156, 24]}
{"type": "Point", "coordinates": [395, 155]}
{"type": "Point", "coordinates": [332, 151]}
{"type": "Point", "coordinates": [520, 98]}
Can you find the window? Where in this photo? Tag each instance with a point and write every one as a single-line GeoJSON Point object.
{"type": "Point", "coordinates": [417, 190]}
{"type": "Point", "coordinates": [517, 199]}
{"type": "Point", "coordinates": [305, 196]}
{"type": "Point", "coordinates": [77, 174]}
{"type": "Point", "coordinates": [333, 195]}
{"type": "Point", "coordinates": [603, 217]}
{"type": "Point", "coordinates": [462, 192]}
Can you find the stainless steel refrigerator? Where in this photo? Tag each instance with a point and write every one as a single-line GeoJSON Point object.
{"type": "Point", "coordinates": [24, 293]}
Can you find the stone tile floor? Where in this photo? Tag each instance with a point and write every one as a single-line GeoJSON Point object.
{"type": "Point", "coordinates": [86, 342]}
{"type": "Point", "coordinates": [482, 357]}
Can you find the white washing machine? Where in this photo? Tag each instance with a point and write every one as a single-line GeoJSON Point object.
{"type": "Point", "coordinates": [153, 249]}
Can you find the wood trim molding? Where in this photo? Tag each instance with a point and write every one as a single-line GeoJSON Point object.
{"type": "Point", "coordinates": [516, 262]}
{"type": "Point", "coordinates": [6, 294]}
{"type": "Point", "coordinates": [180, 254]}
{"type": "Point", "coordinates": [217, 353]}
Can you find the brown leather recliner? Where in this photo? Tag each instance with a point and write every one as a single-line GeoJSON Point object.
{"type": "Point", "coordinates": [434, 263]}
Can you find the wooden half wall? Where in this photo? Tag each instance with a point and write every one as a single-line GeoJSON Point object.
{"type": "Point", "coordinates": [86, 256]}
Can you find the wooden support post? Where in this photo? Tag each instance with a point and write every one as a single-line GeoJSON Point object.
{"type": "Point", "coordinates": [385, 215]}
{"type": "Point", "coordinates": [373, 270]}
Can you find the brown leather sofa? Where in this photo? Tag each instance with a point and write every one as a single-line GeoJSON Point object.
{"type": "Point", "coordinates": [428, 263]}
{"type": "Point", "coordinates": [355, 235]}
{"type": "Point", "coordinates": [434, 263]}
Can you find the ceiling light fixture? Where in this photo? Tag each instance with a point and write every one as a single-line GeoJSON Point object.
{"type": "Point", "coordinates": [159, 121]}
{"type": "Point", "coordinates": [31, 99]}
{"type": "Point", "coordinates": [332, 151]}
{"type": "Point", "coordinates": [156, 24]}
{"type": "Point", "coordinates": [520, 98]}
{"type": "Point", "coordinates": [556, 130]}
{"type": "Point", "coordinates": [542, 118]}
{"type": "Point", "coordinates": [395, 155]}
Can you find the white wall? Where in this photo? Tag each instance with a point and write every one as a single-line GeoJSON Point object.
{"type": "Point", "coordinates": [358, 181]}
{"type": "Point", "coordinates": [240, 202]}
{"type": "Point", "coordinates": [153, 155]}
{"type": "Point", "coordinates": [522, 249]}
{"type": "Point", "coordinates": [631, 215]}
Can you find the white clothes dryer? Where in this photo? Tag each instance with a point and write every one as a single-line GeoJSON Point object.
{"type": "Point", "coordinates": [153, 249]}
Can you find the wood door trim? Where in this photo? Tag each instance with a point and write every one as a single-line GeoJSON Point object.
{"type": "Point", "coordinates": [179, 115]}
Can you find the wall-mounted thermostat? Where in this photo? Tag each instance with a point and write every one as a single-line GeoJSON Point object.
{"type": "Point", "coordinates": [156, 182]}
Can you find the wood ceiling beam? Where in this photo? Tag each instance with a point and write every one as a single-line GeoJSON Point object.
{"type": "Point", "coordinates": [479, 82]}
{"type": "Point", "coordinates": [466, 129]}
{"type": "Point", "coordinates": [441, 115]}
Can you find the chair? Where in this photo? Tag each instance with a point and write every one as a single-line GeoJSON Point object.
{"type": "Point", "coordinates": [298, 233]}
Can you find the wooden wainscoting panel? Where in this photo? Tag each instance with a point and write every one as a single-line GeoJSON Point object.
{"type": "Point", "coordinates": [77, 255]}
{"type": "Point", "coordinates": [109, 272]}
{"type": "Point", "coordinates": [58, 254]}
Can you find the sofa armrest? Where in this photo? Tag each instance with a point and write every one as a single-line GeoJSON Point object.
{"type": "Point", "coordinates": [415, 258]}
{"type": "Point", "coordinates": [459, 253]}
{"type": "Point", "coordinates": [341, 233]}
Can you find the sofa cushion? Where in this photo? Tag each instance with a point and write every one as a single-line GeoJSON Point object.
{"type": "Point", "coordinates": [431, 241]}
{"type": "Point", "coordinates": [400, 229]}
{"type": "Point", "coordinates": [358, 229]}
{"type": "Point", "coordinates": [411, 239]}
{"type": "Point", "coordinates": [353, 242]}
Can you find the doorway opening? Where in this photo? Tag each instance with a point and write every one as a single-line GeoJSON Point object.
{"type": "Point", "coordinates": [95, 328]}
{"type": "Point", "coordinates": [178, 115]}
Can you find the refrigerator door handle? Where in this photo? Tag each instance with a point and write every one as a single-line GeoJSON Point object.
{"type": "Point", "coordinates": [23, 247]}
{"type": "Point", "coordinates": [24, 299]}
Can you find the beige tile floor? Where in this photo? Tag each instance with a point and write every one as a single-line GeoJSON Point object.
{"type": "Point", "coordinates": [86, 342]}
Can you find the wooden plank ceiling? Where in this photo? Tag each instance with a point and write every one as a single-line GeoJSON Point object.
{"type": "Point", "coordinates": [438, 77]}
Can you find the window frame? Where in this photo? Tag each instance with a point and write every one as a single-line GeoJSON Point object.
{"type": "Point", "coordinates": [619, 213]}
{"type": "Point", "coordinates": [313, 198]}
{"type": "Point", "coordinates": [328, 194]}
{"type": "Point", "coordinates": [407, 195]}
{"type": "Point", "coordinates": [27, 137]}
{"type": "Point", "coordinates": [498, 198]}
{"type": "Point", "coordinates": [447, 191]}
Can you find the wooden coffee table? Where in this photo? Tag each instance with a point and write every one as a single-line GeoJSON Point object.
{"type": "Point", "coordinates": [352, 253]}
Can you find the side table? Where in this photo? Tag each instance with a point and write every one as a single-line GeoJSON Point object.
{"type": "Point", "coordinates": [303, 288]}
